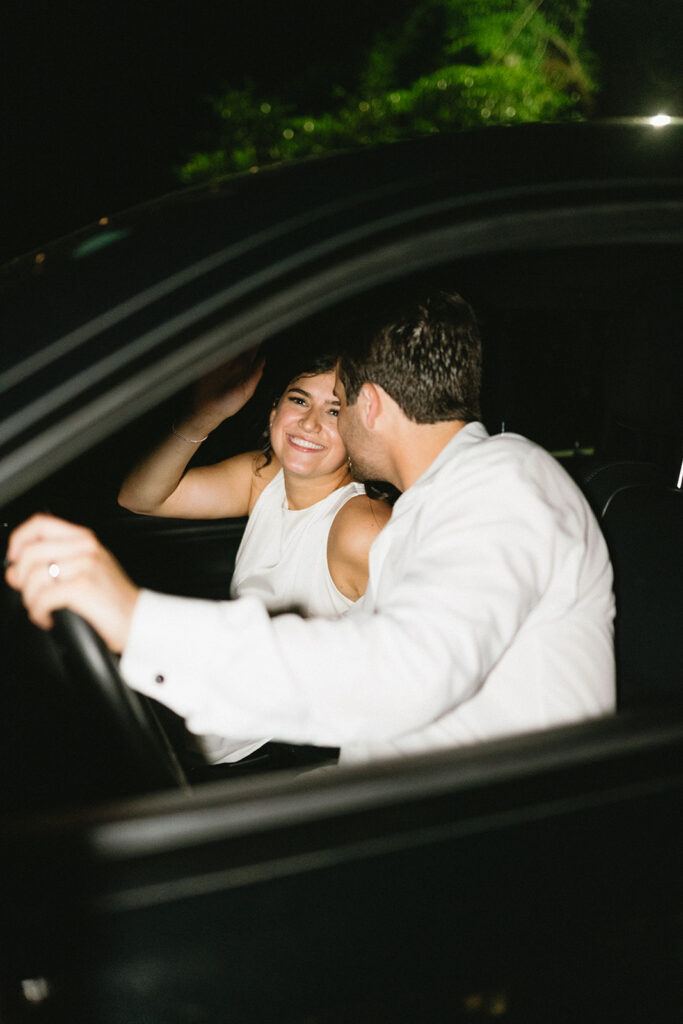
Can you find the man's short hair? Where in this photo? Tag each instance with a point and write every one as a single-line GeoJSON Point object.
{"type": "Point", "coordinates": [428, 360]}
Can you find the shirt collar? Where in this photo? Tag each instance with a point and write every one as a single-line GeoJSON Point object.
{"type": "Point", "coordinates": [466, 437]}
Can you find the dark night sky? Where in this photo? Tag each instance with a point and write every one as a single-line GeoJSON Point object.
{"type": "Point", "coordinates": [100, 98]}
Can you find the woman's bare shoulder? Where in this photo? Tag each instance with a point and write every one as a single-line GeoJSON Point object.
{"type": "Point", "coordinates": [358, 522]}
{"type": "Point", "coordinates": [365, 509]}
{"type": "Point", "coordinates": [354, 529]}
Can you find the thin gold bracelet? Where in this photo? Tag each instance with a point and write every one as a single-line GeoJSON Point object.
{"type": "Point", "coordinates": [189, 440]}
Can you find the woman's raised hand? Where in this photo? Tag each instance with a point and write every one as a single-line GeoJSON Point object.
{"type": "Point", "coordinates": [223, 392]}
{"type": "Point", "coordinates": [158, 485]}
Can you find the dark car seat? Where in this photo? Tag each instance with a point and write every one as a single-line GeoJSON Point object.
{"type": "Point", "coordinates": [635, 490]}
{"type": "Point", "coordinates": [643, 525]}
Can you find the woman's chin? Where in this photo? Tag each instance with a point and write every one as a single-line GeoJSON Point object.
{"type": "Point", "coordinates": [308, 467]}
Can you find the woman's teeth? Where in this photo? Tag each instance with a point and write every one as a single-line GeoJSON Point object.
{"type": "Point", "coordinates": [307, 444]}
{"type": "Point", "coordinates": [302, 442]}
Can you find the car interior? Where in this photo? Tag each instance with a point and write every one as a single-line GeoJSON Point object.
{"type": "Point", "coordinates": [580, 355]}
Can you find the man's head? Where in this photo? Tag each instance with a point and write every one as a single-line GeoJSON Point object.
{"type": "Point", "coordinates": [428, 363]}
{"type": "Point", "coordinates": [428, 360]}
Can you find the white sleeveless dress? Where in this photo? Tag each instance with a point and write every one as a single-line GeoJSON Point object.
{"type": "Point", "coordinates": [283, 555]}
{"type": "Point", "coordinates": [282, 560]}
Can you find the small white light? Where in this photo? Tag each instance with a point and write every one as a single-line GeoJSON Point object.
{"type": "Point", "coordinates": [35, 990]}
{"type": "Point", "coordinates": [659, 120]}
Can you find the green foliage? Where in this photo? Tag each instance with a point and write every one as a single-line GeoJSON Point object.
{"type": "Point", "coordinates": [449, 64]}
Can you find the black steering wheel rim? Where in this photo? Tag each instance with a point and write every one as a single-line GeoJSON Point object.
{"type": "Point", "coordinates": [148, 749]}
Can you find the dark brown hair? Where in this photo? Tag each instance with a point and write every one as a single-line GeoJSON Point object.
{"type": "Point", "coordinates": [428, 360]}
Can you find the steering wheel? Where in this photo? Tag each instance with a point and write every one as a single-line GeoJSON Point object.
{"type": "Point", "coordinates": [149, 753]}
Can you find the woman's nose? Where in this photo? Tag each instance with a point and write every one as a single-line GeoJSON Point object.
{"type": "Point", "coordinates": [310, 420]}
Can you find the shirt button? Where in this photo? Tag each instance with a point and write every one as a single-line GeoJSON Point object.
{"type": "Point", "coordinates": [159, 678]}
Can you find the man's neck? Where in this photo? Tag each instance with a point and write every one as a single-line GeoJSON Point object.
{"type": "Point", "coordinates": [418, 446]}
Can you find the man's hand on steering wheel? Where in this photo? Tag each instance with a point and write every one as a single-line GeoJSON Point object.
{"type": "Point", "coordinates": [56, 564]}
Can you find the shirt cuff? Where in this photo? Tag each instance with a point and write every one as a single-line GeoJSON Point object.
{"type": "Point", "coordinates": [198, 658]}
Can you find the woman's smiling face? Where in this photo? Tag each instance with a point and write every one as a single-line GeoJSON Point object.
{"type": "Point", "coordinates": [303, 427]}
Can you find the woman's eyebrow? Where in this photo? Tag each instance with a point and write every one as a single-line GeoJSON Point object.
{"type": "Point", "coordinates": [307, 394]}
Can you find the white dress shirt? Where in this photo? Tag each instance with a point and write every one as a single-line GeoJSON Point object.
{"type": "Point", "coordinates": [489, 611]}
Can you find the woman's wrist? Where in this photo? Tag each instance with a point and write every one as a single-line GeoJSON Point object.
{"type": "Point", "coordinates": [190, 440]}
{"type": "Point", "coordinates": [194, 428]}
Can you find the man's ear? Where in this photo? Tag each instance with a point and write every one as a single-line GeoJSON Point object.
{"type": "Point", "coordinates": [370, 404]}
